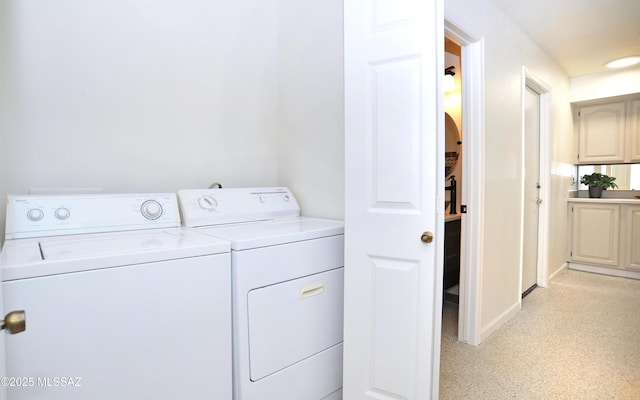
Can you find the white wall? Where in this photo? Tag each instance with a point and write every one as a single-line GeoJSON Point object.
{"type": "Point", "coordinates": [606, 84]}
{"type": "Point", "coordinates": [311, 104]}
{"type": "Point", "coordinates": [145, 95]}
{"type": "Point", "coordinates": [507, 49]}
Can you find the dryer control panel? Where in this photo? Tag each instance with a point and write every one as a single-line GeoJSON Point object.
{"type": "Point", "coordinates": [206, 207]}
{"type": "Point", "coordinates": [37, 215]}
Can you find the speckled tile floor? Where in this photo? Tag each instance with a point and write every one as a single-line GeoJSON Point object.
{"type": "Point", "coordinates": [577, 339]}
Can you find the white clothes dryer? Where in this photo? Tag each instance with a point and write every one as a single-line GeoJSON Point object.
{"type": "Point", "coordinates": [120, 301]}
{"type": "Point", "coordinates": [287, 274]}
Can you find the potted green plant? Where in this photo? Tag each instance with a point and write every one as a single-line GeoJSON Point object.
{"type": "Point", "coordinates": [598, 182]}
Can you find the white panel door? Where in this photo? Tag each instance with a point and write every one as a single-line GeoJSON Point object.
{"type": "Point", "coordinates": [394, 178]}
{"type": "Point", "coordinates": [531, 189]}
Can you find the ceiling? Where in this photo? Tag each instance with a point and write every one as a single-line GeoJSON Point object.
{"type": "Point", "coordinates": [580, 35]}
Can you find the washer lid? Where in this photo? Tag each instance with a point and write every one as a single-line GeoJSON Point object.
{"type": "Point", "coordinates": [274, 232]}
{"type": "Point", "coordinates": [29, 258]}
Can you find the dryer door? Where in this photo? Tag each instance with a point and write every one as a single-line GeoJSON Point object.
{"type": "Point", "coordinates": [294, 320]}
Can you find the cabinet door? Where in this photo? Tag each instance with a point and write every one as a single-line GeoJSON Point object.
{"type": "Point", "coordinates": [601, 137]}
{"type": "Point", "coordinates": [633, 136]}
{"type": "Point", "coordinates": [452, 231]}
{"type": "Point", "coordinates": [596, 234]}
{"type": "Point", "coordinates": [632, 237]}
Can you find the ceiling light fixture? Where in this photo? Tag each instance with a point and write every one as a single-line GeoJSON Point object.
{"type": "Point", "coordinates": [623, 62]}
{"type": "Point", "coordinates": [449, 82]}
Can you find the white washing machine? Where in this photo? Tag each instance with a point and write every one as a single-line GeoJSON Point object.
{"type": "Point", "coordinates": [287, 274]}
{"type": "Point", "coordinates": [120, 301]}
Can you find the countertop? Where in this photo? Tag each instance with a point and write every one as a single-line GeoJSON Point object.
{"type": "Point", "coordinates": [453, 217]}
{"type": "Point", "coordinates": [602, 200]}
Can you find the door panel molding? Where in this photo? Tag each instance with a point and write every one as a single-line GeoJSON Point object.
{"type": "Point", "coordinates": [395, 121]}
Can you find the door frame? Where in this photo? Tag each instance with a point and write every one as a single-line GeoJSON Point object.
{"type": "Point", "coordinates": [3, 367]}
{"type": "Point", "coordinates": [529, 79]}
{"type": "Point", "coordinates": [472, 240]}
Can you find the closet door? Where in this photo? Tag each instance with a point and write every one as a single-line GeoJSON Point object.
{"type": "Point", "coordinates": [394, 182]}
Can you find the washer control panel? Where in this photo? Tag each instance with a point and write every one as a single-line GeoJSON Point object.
{"type": "Point", "coordinates": [37, 216]}
{"type": "Point", "coordinates": [205, 207]}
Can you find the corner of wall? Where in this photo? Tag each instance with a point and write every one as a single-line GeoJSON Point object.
{"type": "Point", "coordinates": [500, 320]}
{"type": "Point", "coordinates": [557, 271]}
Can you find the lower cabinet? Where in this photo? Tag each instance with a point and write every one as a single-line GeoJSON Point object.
{"type": "Point", "coordinates": [631, 244]}
{"type": "Point", "coordinates": [451, 253]}
{"type": "Point", "coordinates": [605, 234]}
{"type": "Point", "coordinates": [595, 234]}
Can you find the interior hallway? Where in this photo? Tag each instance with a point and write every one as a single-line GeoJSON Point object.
{"type": "Point", "coordinates": [579, 339]}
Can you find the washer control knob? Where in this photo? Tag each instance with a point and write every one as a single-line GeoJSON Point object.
{"type": "Point", "coordinates": [151, 209]}
{"type": "Point", "coordinates": [62, 213]}
{"type": "Point", "coordinates": [286, 197]}
{"type": "Point", "coordinates": [35, 214]}
{"type": "Point", "coordinates": [207, 203]}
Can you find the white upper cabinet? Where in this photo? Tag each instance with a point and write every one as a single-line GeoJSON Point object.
{"type": "Point", "coordinates": [634, 131]}
{"type": "Point", "coordinates": [602, 129]}
{"type": "Point", "coordinates": [608, 131]}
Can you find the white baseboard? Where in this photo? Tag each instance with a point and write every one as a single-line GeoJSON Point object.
{"type": "Point", "coordinates": [624, 273]}
{"type": "Point", "coordinates": [562, 268]}
{"type": "Point", "coordinates": [493, 326]}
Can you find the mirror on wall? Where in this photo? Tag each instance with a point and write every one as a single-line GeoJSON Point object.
{"type": "Point", "coordinates": [451, 144]}
{"type": "Point", "coordinates": [627, 175]}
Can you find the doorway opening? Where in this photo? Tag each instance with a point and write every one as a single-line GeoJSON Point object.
{"type": "Point", "coordinates": [536, 104]}
{"type": "Point", "coordinates": [453, 173]}
{"type": "Point", "coordinates": [470, 181]}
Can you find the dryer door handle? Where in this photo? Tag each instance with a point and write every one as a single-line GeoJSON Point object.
{"type": "Point", "coordinates": [311, 289]}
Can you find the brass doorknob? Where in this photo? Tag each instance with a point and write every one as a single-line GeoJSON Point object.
{"type": "Point", "coordinates": [427, 237]}
{"type": "Point", "coordinates": [14, 322]}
